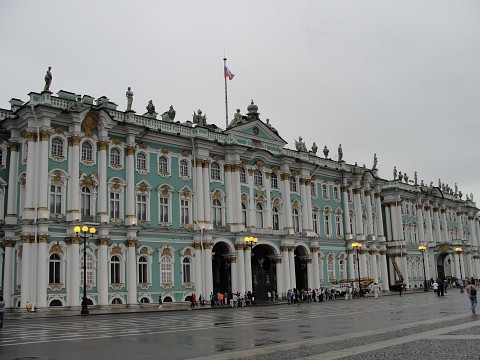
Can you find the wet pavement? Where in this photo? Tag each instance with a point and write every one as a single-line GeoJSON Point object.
{"type": "Point", "coordinates": [388, 327]}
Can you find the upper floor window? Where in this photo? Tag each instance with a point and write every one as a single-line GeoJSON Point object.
{"type": "Point", "coordinates": [143, 270]}
{"type": "Point", "coordinates": [57, 147]}
{"type": "Point", "coordinates": [187, 270]}
{"type": "Point", "coordinates": [163, 165]}
{"type": "Point", "coordinates": [215, 173]}
{"type": "Point", "coordinates": [274, 181]}
{"type": "Point", "coordinates": [87, 151]}
{"type": "Point", "coordinates": [55, 199]}
{"type": "Point", "coordinates": [325, 194]}
{"type": "Point", "coordinates": [141, 161]}
{"type": "Point", "coordinates": [313, 189]}
{"type": "Point", "coordinates": [258, 177]}
{"type": "Point", "coordinates": [54, 269]}
{"type": "Point", "coordinates": [166, 270]}
{"type": "Point", "coordinates": [293, 184]}
{"type": "Point", "coordinates": [115, 270]}
{"type": "Point", "coordinates": [115, 158]}
{"type": "Point", "coordinates": [243, 175]}
{"type": "Point", "coordinates": [184, 168]}
{"type": "Point", "coordinates": [336, 193]}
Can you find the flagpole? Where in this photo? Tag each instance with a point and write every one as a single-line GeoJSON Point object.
{"type": "Point", "coordinates": [226, 96]}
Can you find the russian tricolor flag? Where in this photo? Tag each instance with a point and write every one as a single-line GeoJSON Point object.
{"type": "Point", "coordinates": [227, 73]}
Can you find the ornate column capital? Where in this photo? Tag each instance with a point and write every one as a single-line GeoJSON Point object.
{"type": "Point", "coordinates": [131, 150]}
{"type": "Point", "coordinates": [102, 144]}
{"type": "Point", "coordinates": [131, 242]}
{"type": "Point", "coordinates": [197, 246]}
{"type": "Point", "coordinates": [103, 240]}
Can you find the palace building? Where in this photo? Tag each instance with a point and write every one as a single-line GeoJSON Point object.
{"type": "Point", "coordinates": [176, 206]}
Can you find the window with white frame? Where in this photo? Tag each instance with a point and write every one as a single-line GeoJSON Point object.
{"type": "Point", "coordinates": [114, 202]}
{"type": "Point", "coordinates": [55, 199]}
{"type": "Point", "coordinates": [293, 184]}
{"type": "Point", "coordinates": [217, 212]}
{"type": "Point", "coordinates": [185, 210]}
{"type": "Point", "coordinates": [325, 194]}
{"type": "Point", "coordinates": [215, 171]}
{"type": "Point", "coordinates": [141, 161]}
{"type": "Point", "coordinates": [244, 214]}
{"type": "Point", "coordinates": [315, 221]}
{"type": "Point", "coordinates": [166, 270]}
{"type": "Point", "coordinates": [87, 150]}
{"type": "Point", "coordinates": [313, 189]}
{"type": "Point", "coordinates": [275, 218]}
{"type": "Point", "coordinates": [187, 270]}
{"type": "Point", "coordinates": [54, 269]}
{"type": "Point", "coordinates": [243, 175]}
{"type": "Point", "coordinates": [143, 265]}
{"type": "Point", "coordinates": [165, 204]}
{"type": "Point", "coordinates": [115, 157]}
{"type": "Point", "coordinates": [336, 193]}
{"type": "Point", "coordinates": [338, 224]}
{"type": "Point", "coordinates": [164, 209]}
{"type": "Point", "coordinates": [115, 270]}
{"type": "Point", "coordinates": [163, 165]}
{"type": "Point", "coordinates": [274, 181]}
{"type": "Point", "coordinates": [258, 177]}
{"type": "Point", "coordinates": [86, 201]}
{"type": "Point", "coordinates": [327, 221]}
{"type": "Point", "coordinates": [331, 267]}
{"type": "Point", "coordinates": [57, 148]}
{"type": "Point", "coordinates": [90, 268]}
{"type": "Point", "coordinates": [295, 219]}
{"type": "Point", "coordinates": [259, 216]}
{"type": "Point", "coordinates": [142, 206]}
{"type": "Point", "coordinates": [342, 268]}
{"type": "Point", "coordinates": [351, 220]}
{"type": "Point", "coordinates": [184, 169]}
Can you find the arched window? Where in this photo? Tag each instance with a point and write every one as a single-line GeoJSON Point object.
{"type": "Point", "coordinates": [141, 161]}
{"type": "Point", "coordinates": [143, 269]}
{"type": "Point", "coordinates": [342, 269]}
{"type": "Point", "coordinates": [243, 175]}
{"type": "Point", "coordinates": [164, 209]}
{"type": "Point", "coordinates": [315, 221]}
{"type": "Point", "coordinates": [275, 218]}
{"type": "Point", "coordinates": [187, 270]}
{"type": "Point", "coordinates": [274, 181]}
{"type": "Point", "coordinates": [331, 267]}
{"type": "Point", "coordinates": [115, 270]}
{"type": "Point", "coordinates": [244, 214]}
{"type": "Point", "coordinates": [54, 269]}
{"type": "Point", "coordinates": [57, 146]}
{"type": "Point", "coordinates": [163, 165]}
{"type": "Point", "coordinates": [87, 151]}
{"type": "Point", "coordinates": [325, 194]}
{"type": "Point", "coordinates": [215, 171]}
{"type": "Point", "coordinates": [115, 156]}
{"type": "Point", "coordinates": [293, 184]}
{"type": "Point", "coordinates": [295, 220]}
{"type": "Point", "coordinates": [257, 177]}
{"type": "Point", "coordinates": [166, 267]}
{"type": "Point", "coordinates": [259, 216]}
{"type": "Point", "coordinates": [327, 222]}
{"type": "Point", "coordinates": [184, 169]}
{"type": "Point", "coordinates": [338, 225]}
{"type": "Point", "coordinates": [86, 201]}
{"type": "Point", "coordinates": [217, 213]}
{"type": "Point", "coordinates": [336, 193]}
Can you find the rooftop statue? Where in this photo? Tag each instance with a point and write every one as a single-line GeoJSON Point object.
{"type": "Point", "coordinates": [415, 178]}
{"type": "Point", "coordinates": [150, 108]}
{"type": "Point", "coordinates": [199, 119]}
{"type": "Point", "coordinates": [171, 112]}
{"type": "Point", "coordinates": [394, 173]}
{"type": "Point", "coordinates": [400, 176]}
{"type": "Point", "coordinates": [129, 95]}
{"type": "Point", "coordinates": [325, 151]}
{"type": "Point", "coordinates": [314, 148]}
{"type": "Point", "coordinates": [340, 153]}
{"type": "Point", "coordinates": [375, 161]}
{"type": "Point", "coordinates": [405, 176]}
{"type": "Point", "coordinates": [48, 79]}
{"type": "Point", "coordinates": [238, 119]}
{"type": "Point", "coordinates": [300, 144]}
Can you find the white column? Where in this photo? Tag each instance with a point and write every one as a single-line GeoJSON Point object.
{"type": "Point", "coordinates": [207, 203]}
{"type": "Point", "coordinates": [421, 234]}
{"type": "Point", "coordinates": [238, 196]}
{"type": "Point", "coordinates": [130, 213]}
{"type": "Point", "coordinates": [305, 213]}
{"type": "Point", "coordinates": [444, 225]}
{"type": "Point", "coordinates": [358, 213]}
{"type": "Point", "coordinates": [234, 273]}
{"type": "Point", "coordinates": [30, 183]}
{"type": "Point", "coordinates": [73, 194]}
{"type": "Point", "coordinates": [11, 217]}
{"type": "Point", "coordinates": [286, 267]}
{"type": "Point", "coordinates": [281, 290]}
{"type": "Point", "coordinates": [102, 261]}
{"type": "Point", "coordinates": [131, 272]}
{"type": "Point", "coordinates": [252, 202]}
{"type": "Point", "coordinates": [26, 270]}
{"type": "Point", "coordinates": [316, 275]}
{"type": "Point", "coordinates": [240, 268]}
{"type": "Point", "coordinates": [311, 283]}
{"type": "Point", "coordinates": [248, 268]}
{"type": "Point", "coordinates": [269, 221]}
{"type": "Point", "coordinates": [351, 265]}
{"type": "Point", "coordinates": [389, 221]}
{"type": "Point", "coordinates": [373, 265]}
{"type": "Point", "coordinates": [73, 271]}
{"type": "Point", "coordinates": [291, 260]}
{"type": "Point", "coordinates": [436, 219]}
{"type": "Point", "coordinates": [308, 199]}
{"type": "Point", "coordinates": [363, 263]}
{"type": "Point", "coordinates": [199, 289]}
{"type": "Point", "coordinates": [384, 281]}
{"type": "Point", "coordinates": [8, 273]}
{"type": "Point", "coordinates": [42, 177]}
{"type": "Point", "coordinates": [428, 224]}
{"type": "Point", "coordinates": [208, 269]}
{"type": "Point", "coordinates": [198, 189]}
{"type": "Point", "coordinates": [102, 182]}
{"type": "Point", "coordinates": [368, 202]}
{"type": "Point", "coordinates": [346, 209]}
{"type": "Point", "coordinates": [229, 195]}
{"type": "Point", "coordinates": [287, 205]}
{"type": "Point", "coordinates": [378, 207]}
{"type": "Point", "coordinates": [42, 271]}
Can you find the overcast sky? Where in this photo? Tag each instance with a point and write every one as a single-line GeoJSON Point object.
{"type": "Point", "coordinates": [397, 78]}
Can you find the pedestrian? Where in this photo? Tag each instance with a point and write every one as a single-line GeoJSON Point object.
{"type": "Point", "coordinates": [160, 303]}
{"type": "Point", "coordinates": [28, 306]}
{"type": "Point", "coordinates": [2, 311]}
{"type": "Point", "coordinates": [376, 289]}
{"type": "Point", "coordinates": [472, 294]}
{"type": "Point", "coordinates": [435, 288]}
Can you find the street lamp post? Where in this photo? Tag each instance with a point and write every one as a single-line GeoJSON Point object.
{"type": "Point", "coordinates": [459, 250]}
{"type": "Point", "coordinates": [251, 241]}
{"type": "Point", "coordinates": [357, 246]}
{"type": "Point", "coordinates": [422, 249]}
{"type": "Point", "coordinates": [84, 230]}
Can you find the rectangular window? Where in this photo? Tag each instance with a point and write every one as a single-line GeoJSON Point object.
{"type": "Point", "coordinates": [163, 210]}
{"type": "Point", "coordinates": [55, 199]}
{"type": "Point", "coordinates": [184, 212]}
{"type": "Point", "coordinates": [114, 205]}
{"type": "Point", "coordinates": [141, 207]}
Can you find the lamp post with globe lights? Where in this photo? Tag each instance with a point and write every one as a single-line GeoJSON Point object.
{"type": "Point", "coordinates": [459, 250]}
{"type": "Point", "coordinates": [84, 230]}
{"type": "Point", "coordinates": [422, 249]}
{"type": "Point", "coordinates": [357, 246]}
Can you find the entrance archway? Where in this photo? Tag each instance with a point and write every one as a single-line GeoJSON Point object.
{"type": "Point", "coordinates": [264, 273]}
{"type": "Point", "coordinates": [221, 269]}
{"type": "Point", "coordinates": [301, 277]}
